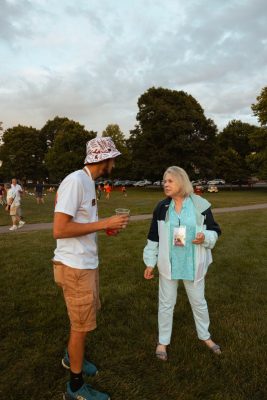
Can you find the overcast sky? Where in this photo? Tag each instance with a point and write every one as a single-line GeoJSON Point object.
{"type": "Point", "coordinates": [90, 60]}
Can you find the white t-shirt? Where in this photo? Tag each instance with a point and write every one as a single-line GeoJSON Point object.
{"type": "Point", "coordinates": [76, 197]}
{"type": "Point", "coordinates": [16, 189]}
{"type": "Point", "coordinates": [10, 196]}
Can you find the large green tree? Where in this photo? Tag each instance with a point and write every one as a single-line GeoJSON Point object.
{"type": "Point", "coordinates": [257, 159]}
{"type": "Point", "coordinates": [22, 153]}
{"type": "Point", "coordinates": [172, 130]}
{"type": "Point", "coordinates": [66, 151]}
{"type": "Point", "coordinates": [230, 165]}
{"type": "Point", "coordinates": [236, 136]}
{"type": "Point", "coordinates": [260, 108]}
{"type": "Point", "coordinates": [123, 162]}
{"type": "Point", "coordinates": [235, 139]}
{"type": "Point", "coordinates": [50, 130]}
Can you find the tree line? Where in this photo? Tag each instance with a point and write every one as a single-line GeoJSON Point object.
{"type": "Point", "coordinates": [171, 129]}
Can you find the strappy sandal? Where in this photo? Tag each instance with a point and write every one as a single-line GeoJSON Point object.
{"type": "Point", "coordinates": [161, 355]}
{"type": "Point", "coordinates": [216, 349]}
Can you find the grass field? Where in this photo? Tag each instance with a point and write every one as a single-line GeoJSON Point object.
{"type": "Point", "coordinates": [140, 201]}
{"type": "Point", "coordinates": [34, 325]}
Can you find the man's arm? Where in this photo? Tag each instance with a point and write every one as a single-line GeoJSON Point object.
{"type": "Point", "coordinates": [65, 227]}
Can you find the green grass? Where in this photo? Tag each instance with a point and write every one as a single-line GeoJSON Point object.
{"type": "Point", "coordinates": [34, 325]}
{"type": "Point", "coordinates": [140, 201]}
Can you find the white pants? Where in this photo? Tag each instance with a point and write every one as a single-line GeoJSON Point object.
{"type": "Point", "coordinates": [167, 300]}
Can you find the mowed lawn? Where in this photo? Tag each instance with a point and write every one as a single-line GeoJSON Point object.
{"type": "Point", "coordinates": [34, 324]}
{"type": "Point", "coordinates": [140, 201]}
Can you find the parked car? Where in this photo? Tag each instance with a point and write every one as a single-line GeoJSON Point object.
{"type": "Point", "coordinates": [145, 182]}
{"type": "Point", "coordinates": [216, 181]}
{"type": "Point", "coordinates": [128, 182]}
{"type": "Point", "coordinates": [213, 189]}
{"type": "Point", "coordinates": [158, 183]}
{"type": "Point", "coordinates": [118, 183]}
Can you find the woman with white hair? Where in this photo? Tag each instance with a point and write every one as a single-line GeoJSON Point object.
{"type": "Point", "coordinates": [181, 236]}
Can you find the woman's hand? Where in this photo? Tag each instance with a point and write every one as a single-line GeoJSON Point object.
{"type": "Point", "coordinates": [149, 274]}
{"type": "Point", "coordinates": [200, 237]}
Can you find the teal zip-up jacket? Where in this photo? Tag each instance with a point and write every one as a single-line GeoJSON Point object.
{"type": "Point", "coordinates": [157, 249]}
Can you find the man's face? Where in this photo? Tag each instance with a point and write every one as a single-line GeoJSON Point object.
{"type": "Point", "coordinates": [14, 182]}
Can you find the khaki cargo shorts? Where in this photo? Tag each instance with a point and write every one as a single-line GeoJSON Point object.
{"type": "Point", "coordinates": [81, 294]}
{"type": "Point", "coordinates": [15, 211]}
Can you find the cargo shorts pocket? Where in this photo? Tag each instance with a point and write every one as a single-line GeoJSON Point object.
{"type": "Point", "coordinates": [58, 274]}
{"type": "Point", "coordinates": [82, 309]}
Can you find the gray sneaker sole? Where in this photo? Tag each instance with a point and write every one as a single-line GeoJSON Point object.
{"type": "Point", "coordinates": [64, 365]}
{"type": "Point", "coordinates": [67, 367]}
{"type": "Point", "coordinates": [66, 396]}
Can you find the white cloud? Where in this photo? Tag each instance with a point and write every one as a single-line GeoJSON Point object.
{"type": "Point", "coordinates": [90, 61]}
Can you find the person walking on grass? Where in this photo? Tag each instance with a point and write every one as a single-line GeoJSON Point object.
{"type": "Point", "coordinates": [10, 195]}
{"type": "Point", "coordinates": [39, 188]}
{"type": "Point", "coordinates": [16, 205]}
{"type": "Point", "coordinates": [180, 239]}
{"type": "Point", "coordinates": [108, 190]}
{"type": "Point", "coordinates": [2, 195]}
{"type": "Point", "coordinates": [13, 204]}
{"type": "Point", "coordinates": [76, 258]}
{"type": "Point", "coordinates": [99, 191]}
{"type": "Point", "coordinates": [124, 191]}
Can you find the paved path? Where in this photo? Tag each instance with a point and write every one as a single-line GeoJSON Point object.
{"type": "Point", "coordinates": [44, 226]}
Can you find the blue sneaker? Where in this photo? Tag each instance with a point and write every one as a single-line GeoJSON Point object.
{"type": "Point", "coordinates": [88, 368]}
{"type": "Point", "coordinates": [86, 392]}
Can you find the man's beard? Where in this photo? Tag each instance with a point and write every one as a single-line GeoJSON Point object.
{"type": "Point", "coordinates": [107, 169]}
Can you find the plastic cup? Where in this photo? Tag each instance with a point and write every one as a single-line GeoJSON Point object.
{"type": "Point", "coordinates": [122, 211]}
{"type": "Point", "coordinates": [118, 211]}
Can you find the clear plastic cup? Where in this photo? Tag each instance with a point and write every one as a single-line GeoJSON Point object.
{"type": "Point", "coordinates": [122, 211]}
{"type": "Point", "coordinates": [118, 211]}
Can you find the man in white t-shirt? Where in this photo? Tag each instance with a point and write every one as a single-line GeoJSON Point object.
{"type": "Point", "coordinates": [76, 258]}
{"type": "Point", "coordinates": [15, 210]}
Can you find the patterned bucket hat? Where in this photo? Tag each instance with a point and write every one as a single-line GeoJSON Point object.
{"type": "Point", "coordinates": [100, 149]}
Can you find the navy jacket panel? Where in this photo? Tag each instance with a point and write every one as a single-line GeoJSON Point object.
{"type": "Point", "coordinates": [159, 214]}
{"type": "Point", "coordinates": [211, 224]}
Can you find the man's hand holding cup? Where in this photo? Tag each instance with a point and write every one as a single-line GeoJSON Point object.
{"type": "Point", "coordinates": [118, 221]}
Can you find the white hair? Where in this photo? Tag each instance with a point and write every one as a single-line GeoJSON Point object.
{"type": "Point", "coordinates": [181, 178]}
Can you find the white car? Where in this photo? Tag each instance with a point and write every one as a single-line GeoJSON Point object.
{"type": "Point", "coordinates": [216, 182]}
{"type": "Point", "coordinates": [145, 182]}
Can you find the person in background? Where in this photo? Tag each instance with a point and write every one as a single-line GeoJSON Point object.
{"type": "Point", "coordinates": [2, 195]}
{"type": "Point", "coordinates": [39, 188]}
{"type": "Point", "coordinates": [181, 236]}
{"type": "Point", "coordinates": [76, 258]}
{"type": "Point", "coordinates": [9, 200]}
{"type": "Point", "coordinates": [17, 189]}
{"type": "Point", "coordinates": [108, 190]}
{"type": "Point", "coordinates": [124, 191]}
{"type": "Point", "coordinates": [99, 191]}
{"type": "Point", "coordinates": [15, 208]}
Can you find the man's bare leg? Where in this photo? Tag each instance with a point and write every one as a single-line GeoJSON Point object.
{"type": "Point", "coordinates": [76, 348]}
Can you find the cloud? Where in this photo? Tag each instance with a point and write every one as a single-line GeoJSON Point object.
{"type": "Point", "coordinates": [90, 61]}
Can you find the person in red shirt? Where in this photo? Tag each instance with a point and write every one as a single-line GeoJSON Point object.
{"type": "Point", "coordinates": [108, 190]}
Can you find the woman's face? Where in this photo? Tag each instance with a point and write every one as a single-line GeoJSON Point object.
{"type": "Point", "coordinates": [171, 186]}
